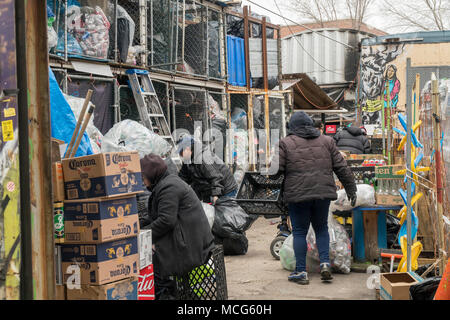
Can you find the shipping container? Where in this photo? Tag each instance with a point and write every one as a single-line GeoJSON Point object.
{"type": "Point", "coordinates": [328, 56]}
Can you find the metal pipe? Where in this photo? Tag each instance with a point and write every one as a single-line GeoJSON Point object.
{"type": "Point", "coordinates": [408, 162]}
{"type": "Point", "coordinates": [246, 47]}
{"type": "Point", "coordinates": [177, 32]}
{"type": "Point", "coordinates": [116, 49]}
{"type": "Point", "coordinates": [207, 43]}
{"type": "Point", "coordinates": [143, 20]}
{"type": "Point", "coordinates": [66, 55]}
{"type": "Point", "coordinates": [183, 38]}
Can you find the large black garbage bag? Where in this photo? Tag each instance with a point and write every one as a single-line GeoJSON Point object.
{"type": "Point", "coordinates": [433, 273]}
{"type": "Point", "coordinates": [230, 219]}
{"type": "Point", "coordinates": [392, 229]}
{"type": "Point", "coordinates": [232, 247]}
{"type": "Point", "coordinates": [425, 290]}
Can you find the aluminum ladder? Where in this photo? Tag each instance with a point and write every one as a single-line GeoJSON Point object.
{"type": "Point", "coordinates": [149, 108]}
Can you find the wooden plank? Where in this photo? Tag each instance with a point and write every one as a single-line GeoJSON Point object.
{"type": "Point", "coordinates": [426, 230]}
{"type": "Point", "coordinates": [370, 236]}
{"type": "Point", "coordinates": [246, 47]}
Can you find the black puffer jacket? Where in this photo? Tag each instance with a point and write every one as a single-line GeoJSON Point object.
{"type": "Point", "coordinates": [208, 176]}
{"type": "Point", "coordinates": [353, 139]}
{"type": "Point", "coordinates": [308, 160]}
{"type": "Point", "coordinates": [180, 229]}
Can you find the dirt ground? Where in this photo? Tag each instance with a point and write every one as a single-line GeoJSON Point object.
{"type": "Point", "coordinates": [258, 276]}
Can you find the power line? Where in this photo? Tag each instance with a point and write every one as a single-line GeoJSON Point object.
{"type": "Point", "coordinates": [301, 25]}
{"type": "Point", "coordinates": [303, 48]}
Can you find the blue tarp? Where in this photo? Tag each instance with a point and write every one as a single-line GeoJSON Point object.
{"type": "Point", "coordinates": [63, 120]}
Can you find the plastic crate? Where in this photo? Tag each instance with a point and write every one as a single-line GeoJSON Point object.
{"type": "Point", "coordinates": [363, 172]}
{"type": "Point", "coordinates": [206, 282]}
{"type": "Point", "coordinates": [261, 195]}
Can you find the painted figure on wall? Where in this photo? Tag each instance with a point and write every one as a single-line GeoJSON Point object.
{"type": "Point", "coordinates": [375, 72]}
{"type": "Point", "coordinates": [394, 86]}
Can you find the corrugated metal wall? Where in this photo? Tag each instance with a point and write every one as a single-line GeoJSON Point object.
{"type": "Point", "coordinates": [321, 56]}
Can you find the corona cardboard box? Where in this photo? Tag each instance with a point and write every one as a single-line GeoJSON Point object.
{"type": "Point", "coordinates": [102, 175]}
{"type": "Point", "coordinates": [101, 219]}
{"type": "Point", "coordinates": [126, 289]}
{"type": "Point", "coordinates": [97, 264]}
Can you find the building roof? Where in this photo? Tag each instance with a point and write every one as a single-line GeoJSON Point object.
{"type": "Point", "coordinates": [337, 24]}
{"type": "Point", "coordinates": [412, 37]}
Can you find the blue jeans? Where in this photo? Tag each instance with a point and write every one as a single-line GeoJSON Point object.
{"type": "Point", "coordinates": [303, 214]}
{"type": "Point", "coordinates": [231, 194]}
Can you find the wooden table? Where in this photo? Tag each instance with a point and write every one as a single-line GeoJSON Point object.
{"type": "Point", "coordinates": [369, 231]}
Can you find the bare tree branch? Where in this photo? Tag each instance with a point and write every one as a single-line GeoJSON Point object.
{"type": "Point", "coordinates": [425, 15]}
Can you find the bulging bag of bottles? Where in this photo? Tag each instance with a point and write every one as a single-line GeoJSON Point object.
{"type": "Point", "coordinates": [129, 135]}
{"type": "Point", "coordinates": [365, 196]}
{"type": "Point", "coordinates": [340, 249]}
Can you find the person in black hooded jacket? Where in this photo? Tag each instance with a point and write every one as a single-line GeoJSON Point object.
{"type": "Point", "coordinates": [353, 139]}
{"type": "Point", "coordinates": [181, 234]}
{"type": "Point", "coordinates": [205, 172]}
{"type": "Point", "coordinates": [308, 159]}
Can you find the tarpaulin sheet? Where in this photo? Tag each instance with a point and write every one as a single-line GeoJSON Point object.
{"type": "Point", "coordinates": [102, 98]}
{"type": "Point", "coordinates": [63, 121]}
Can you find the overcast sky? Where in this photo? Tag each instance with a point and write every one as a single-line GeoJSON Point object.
{"type": "Point", "coordinates": [373, 20]}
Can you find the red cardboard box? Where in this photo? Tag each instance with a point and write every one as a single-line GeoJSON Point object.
{"type": "Point", "coordinates": [146, 284]}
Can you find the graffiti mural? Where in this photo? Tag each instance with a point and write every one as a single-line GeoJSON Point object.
{"type": "Point", "coordinates": [9, 158]}
{"type": "Point", "coordinates": [376, 70]}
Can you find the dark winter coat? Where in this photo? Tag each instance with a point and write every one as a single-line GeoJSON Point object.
{"type": "Point", "coordinates": [352, 139]}
{"type": "Point", "coordinates": [180, 228]}
{"type": "Point", "coordinates": [208, 177]}
{"type": "Point", "coordinates": [308, 160]}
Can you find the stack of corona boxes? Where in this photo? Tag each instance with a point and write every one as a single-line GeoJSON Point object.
{"type": "Point", "coordinates": [100, 255]}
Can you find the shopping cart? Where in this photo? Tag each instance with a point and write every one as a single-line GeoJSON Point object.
{"type": "Point", "coordinates": [263, 196]}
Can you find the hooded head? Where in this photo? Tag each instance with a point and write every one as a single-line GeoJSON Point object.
{"type": "Point", "coordinates": [354, 131]}
{"type": "Point", "coordinates": [153, 169]}
{"type": "Point", "coordinates": [303, 126]}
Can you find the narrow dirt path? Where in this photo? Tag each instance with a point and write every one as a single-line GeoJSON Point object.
{"type": "Point", "coordinates": [257, 275]}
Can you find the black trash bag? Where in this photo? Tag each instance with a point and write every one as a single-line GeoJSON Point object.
{"type": "Point", "coordinates": [392, 229]}
{"type": "Point", "coordinates": [433, 273]}
{"type": "Point", "coordinates": [425, 290]}
{"type": "Point", "coordinates": [230, 219]}
{"type": "Point", "coordinates": [234, 247]}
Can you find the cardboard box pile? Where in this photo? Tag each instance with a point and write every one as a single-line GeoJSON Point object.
{"type": "Point", "coordinates": [99, 259]}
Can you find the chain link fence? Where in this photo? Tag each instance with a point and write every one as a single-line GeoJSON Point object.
{"type": "Point", "coordinates": [183, 36]}
{"type": "Point", "coordinates": [189, 110]}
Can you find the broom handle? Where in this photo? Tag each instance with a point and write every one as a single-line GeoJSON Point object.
{"type": "Point", "coordinates": [80, 119]}
{"type": "Point", "coordinates": [83, 128]}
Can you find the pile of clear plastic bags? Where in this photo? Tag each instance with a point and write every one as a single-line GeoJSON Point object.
{"type": "Point", "coordinates": [90, 28]}
{"type": "Point", "coordinates": [365, 196]}
{"type": "Point", "coordinates": [129, 135]}
{"type": "Point", "coordinates": [340, 249]}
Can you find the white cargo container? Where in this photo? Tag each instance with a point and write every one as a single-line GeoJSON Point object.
{"type": "Point", "coordinates": [322, 54]}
